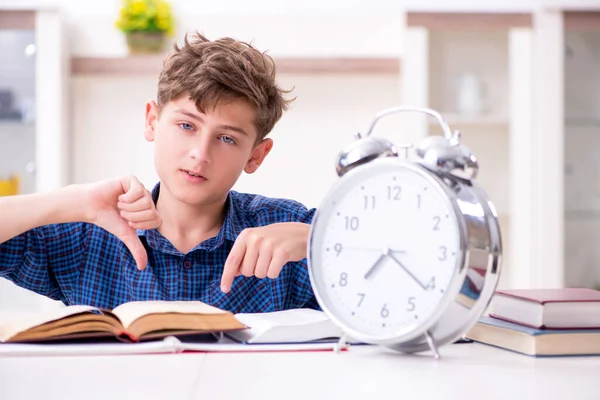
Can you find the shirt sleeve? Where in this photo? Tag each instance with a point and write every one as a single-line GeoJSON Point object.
{"type": "Point", "coordinates": [38, 259]}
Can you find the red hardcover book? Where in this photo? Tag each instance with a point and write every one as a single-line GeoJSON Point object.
{"type": "Point", "coordinates": [567, 308]}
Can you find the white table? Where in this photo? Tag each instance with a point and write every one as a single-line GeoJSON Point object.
{"type": "Point", "coordinates": [465, 371]}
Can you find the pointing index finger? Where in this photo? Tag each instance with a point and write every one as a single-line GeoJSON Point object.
{"type": "Point", "coordinates": [233, 262]}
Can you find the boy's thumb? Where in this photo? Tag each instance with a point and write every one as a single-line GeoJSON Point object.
{"type": "Point", "coordinates": [137, 250]}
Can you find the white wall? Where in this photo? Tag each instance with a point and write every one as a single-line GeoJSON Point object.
{"type": "Point", "coordinates": [93, 32]}
{"type": "Point", "coordinates": [302, 29]}
{"type": "Point", "coordinates": [108, 111]}
{"type": "Point", "coordinates": [329, 109]}
{"type": "Point", "coordinates": [261, 7]}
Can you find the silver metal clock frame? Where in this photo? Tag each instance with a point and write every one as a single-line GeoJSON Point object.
{"type": "Point", "coordinates": [451, 167]}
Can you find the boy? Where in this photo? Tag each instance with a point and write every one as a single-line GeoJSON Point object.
{"type": "Point", "coordinates": [191, 238]}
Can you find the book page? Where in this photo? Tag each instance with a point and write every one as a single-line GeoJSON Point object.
{"type": "Point", "coordinates": [295, 325]}
{"type": "Point", "coordinates": [131, 311]}
{"type": "Point", "coordinates": [12, 323]}
{"type": "Point", "coordinates": [294, 317]}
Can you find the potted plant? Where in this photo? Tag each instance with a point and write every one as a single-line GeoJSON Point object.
{"type": "Point", "coordinates": [146, 24]}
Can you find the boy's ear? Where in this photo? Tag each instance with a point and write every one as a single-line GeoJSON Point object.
{"type": "Point", "coordinates": [151, 120]}
{"type": "Point", "coordinates": [258, 155]}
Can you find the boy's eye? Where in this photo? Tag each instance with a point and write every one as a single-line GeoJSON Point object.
{"type": "Point", "coordinates": [185, 126]}
{"type": "Point", "coordinates": [227, 140]}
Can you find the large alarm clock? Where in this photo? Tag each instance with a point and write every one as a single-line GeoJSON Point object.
{"type": "Point", "coordinates": [405, 252]}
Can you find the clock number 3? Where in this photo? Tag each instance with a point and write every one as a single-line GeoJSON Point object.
{"type": "Point", "coordinates": [443, 253]}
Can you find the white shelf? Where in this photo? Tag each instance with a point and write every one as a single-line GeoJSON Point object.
{"type": "Point", "coordinates": [152, 64]}
{"type": "Point", "coordinates": [520, 157]}
{"type": "Point", "coordinates": [582, 122]}
{"type": "Point", "coordinates": [14, 122]}
{"type": "Point", "coordinates": [582, 215]}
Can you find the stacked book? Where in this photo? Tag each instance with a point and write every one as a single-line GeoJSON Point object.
{"type": "Point", "coordinates": [542, 322]}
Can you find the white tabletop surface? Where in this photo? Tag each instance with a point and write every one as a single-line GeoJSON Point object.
{"type": "Point", "coordinates": [465, 371]}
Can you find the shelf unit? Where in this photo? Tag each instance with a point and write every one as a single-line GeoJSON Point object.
{"type": "Point", "coordinates": [47, 138]}
{"type": "Point", "coordinates": [151, 64]}
{"type": "Point", "coordinates": [582, 146]}
{"type": "Point", "coordinates": [517, 135]}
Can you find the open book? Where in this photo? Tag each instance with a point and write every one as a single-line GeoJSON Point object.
{"type": "Point", "coordinates": [289, 326]}
{"type": "Point", "coordinates": [129, 322]}
{"type": "Point", "coordinates": [174, 326]}
{"type": "Point", "coordinates": [170, 344]}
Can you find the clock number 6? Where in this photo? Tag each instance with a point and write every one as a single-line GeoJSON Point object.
{"type": "Point", "coordinates": [385, 312]}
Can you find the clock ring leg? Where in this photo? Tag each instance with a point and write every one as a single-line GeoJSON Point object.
{"type": "Point", "coordinates": [432, 345]}
{"type": "Point", "coordinates": [342, 343]}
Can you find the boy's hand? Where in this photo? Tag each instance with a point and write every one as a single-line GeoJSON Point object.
{"type": "Point", "coordinates": [263, 251]}
{"type": "Point", "coordinates": [121, 206]}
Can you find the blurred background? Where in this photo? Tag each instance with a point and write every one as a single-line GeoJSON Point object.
{"type": "Point", "coordinates": [519, 79]}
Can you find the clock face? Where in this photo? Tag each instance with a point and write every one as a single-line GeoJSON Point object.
{"type": "Point", "coordinates": [384, 249]}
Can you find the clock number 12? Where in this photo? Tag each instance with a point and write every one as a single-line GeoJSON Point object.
{"type": "Point", "coordinates": [394, 192]}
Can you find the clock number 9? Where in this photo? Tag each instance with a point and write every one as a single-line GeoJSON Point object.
{"type": "Point", "coordinates": [338, 248]}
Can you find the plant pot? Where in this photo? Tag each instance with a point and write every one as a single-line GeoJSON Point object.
{"type": "Point", "coordinates": [145, 42]}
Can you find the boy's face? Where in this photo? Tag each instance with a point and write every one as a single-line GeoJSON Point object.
{"type": "Point", "coordinates": [199, 156]}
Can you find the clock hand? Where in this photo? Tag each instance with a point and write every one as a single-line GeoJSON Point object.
{"type": "Point", "coordinates": [407, 271]}
{"type": "Point", "coordinates": [386, 252]}
{"type": "Point", "coordinates": [372, 249]}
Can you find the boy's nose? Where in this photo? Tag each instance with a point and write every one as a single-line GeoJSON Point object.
{"type": "Point", "coordinates": [201, 153]}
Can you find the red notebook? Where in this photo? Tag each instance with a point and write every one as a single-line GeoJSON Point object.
{"type": "Point", "coordinates": [568, 308]}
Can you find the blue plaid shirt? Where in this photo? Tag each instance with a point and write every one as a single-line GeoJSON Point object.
{"type": "Point", "coordinates": [81, 263]}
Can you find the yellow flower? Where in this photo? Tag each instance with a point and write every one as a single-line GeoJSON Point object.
{"type": "Point", "coordinates": [145, 15]}
{"type": "Point", "coordinates": [162, 24]}
{"type": "Point", "coordinates": [138, 7]}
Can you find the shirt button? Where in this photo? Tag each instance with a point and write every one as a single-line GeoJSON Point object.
{"type": "Point", "coordinates": [187, 265]}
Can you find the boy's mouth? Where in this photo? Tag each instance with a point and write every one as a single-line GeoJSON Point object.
{"type": "Point", "coordinates": [193, 174]}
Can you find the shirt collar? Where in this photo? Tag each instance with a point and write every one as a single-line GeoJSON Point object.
{"type": "Point", "coordinates": [233, 225]}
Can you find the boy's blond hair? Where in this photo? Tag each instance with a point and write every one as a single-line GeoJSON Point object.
{"type": "Point", "coordinates": [210, 72]}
